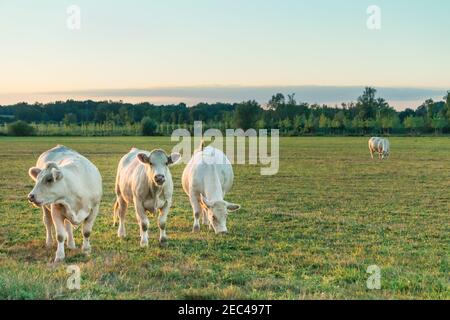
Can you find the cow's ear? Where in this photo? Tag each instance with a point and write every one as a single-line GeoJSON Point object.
{"type": "Point", "coordinates": [206, 202]}
{"type": "Point", "coordinates": [173, 159]}
{"type": "Point", "coordinates": [233, 206]}
{"type": "Point", "coordinates": [57, 174]}
{"type": "Point", "coordinates": [34, 172]}
{"type": "Point", "coordinates": [143, 158]}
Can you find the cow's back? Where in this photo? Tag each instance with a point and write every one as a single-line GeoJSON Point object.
{"type": "Point", "coordinates": [208, 168]}
{"type": "Point", "coordinates": [130, 172]}
{"type": "Point", "coordinates": [58, 154]}
{"type": "Point", "coordinates": [83, 174]}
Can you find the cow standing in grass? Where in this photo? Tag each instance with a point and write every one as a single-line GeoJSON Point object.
{"type": "Point", "coordinates": [380, 146]}
{"type": "Point", "coordinates": [69, 190]}
{"type": "Point", "coordinates": [206, 179]}
{"type": "Point", "coordinates": [144, 179]}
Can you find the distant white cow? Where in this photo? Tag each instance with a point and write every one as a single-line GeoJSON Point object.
{"type": "Point", "coordinates": [206, 179]}
{"type": "Point", "coordinates": [69, 190]}
{"type": "Point", "coordinates": [144, 179]}
{"type": "Point", "coordinates": [380, 146]}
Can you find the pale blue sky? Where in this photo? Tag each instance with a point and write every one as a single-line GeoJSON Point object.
{"type": "Point", "coordinates": [174, 43]}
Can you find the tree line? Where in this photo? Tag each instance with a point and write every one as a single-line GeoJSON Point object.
{"type": "Point", "coordinates": [368, 115]}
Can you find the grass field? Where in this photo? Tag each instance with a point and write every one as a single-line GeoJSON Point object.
{"type": "Point", "coordinates": [309, 232]}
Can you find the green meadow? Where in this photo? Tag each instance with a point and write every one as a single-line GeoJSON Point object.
{"type": "Point", "coordinates": [309, 232]}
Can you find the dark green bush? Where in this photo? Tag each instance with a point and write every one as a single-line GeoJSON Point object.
{"type": "Point", "coordinates": [148, 126]}
{"type": "Point", "coordinates": [20, 129]}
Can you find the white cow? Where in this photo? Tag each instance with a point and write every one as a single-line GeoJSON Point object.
{"type": "Point", "coordinates": [144, 179]}
{"type": "Point", "coordinates": [206, 179]}
{"type": "Point", "coordinates": [380, 146]}
{"type": "Point", "coordinates": [69, 190]}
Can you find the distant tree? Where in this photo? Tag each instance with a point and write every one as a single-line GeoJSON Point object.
{"type": "Point", "coordinates": [438, 123]}
{"type": "Point", "coordinates": [286, 126]}
{"type": "Point", "coordinates": [148, 126]}
{"type": "Point", "coordinates": [299, 123]}
{"type": "Point", "coordinates": [367, 104]}
{"type": "Point", "coordinates": [410, 124]}
{"type": "Point", "coordinates": [276, 101]}
{"type": "Point", "coordinates": [324, 123]}
{"type": "Point", "coordinates": [70, 118]}
{"type": "Point", "coordinates": [358, 125]}
{"type": "Point", "coordinates": [348, 124]}
{"type": "Point", "coordinates": [311, 124]}
{"type": "Point", "coordinates": [246, 114]}
{"type": "Point", "coordinates": [429, 107]}
{"type": "Point", "coordinates": [389, 123]}
{"type": "Point", "coordinates": [419, 123]}
{"type": "Point", "coordinates": [21, 129]}
{"type": "Point", "coordinates": [447, 106]}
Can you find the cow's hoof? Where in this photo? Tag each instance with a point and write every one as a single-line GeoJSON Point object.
{"type": "Point", "coordinates": [71, 246]}
{"type": "Point", "coordinates": [86, 250]}
{"type": "Point", "coordinates": [196, 229]}
{"type": "Point", "coordinates": [144, 244]}
{"type": "Point", "coordinates": [49, 245]}
{"type": "Point", "coordinates": [58, 260]}
{"type": "Point", "coordinates": [122, 236]}
{"type": "Point", "coordinates": [164, 242]}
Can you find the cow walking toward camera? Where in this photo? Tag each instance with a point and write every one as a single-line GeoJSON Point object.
{"type": "Point", "coordinates": [68, 188]}
{"type": "Point", "coordinates": [206, 179]}
{"type": "Point", "coordinates": [380, 146]}
{"type": "Point", "coordinates": [144, 179]}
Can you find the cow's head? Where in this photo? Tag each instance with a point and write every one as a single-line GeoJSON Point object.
{"type": "Point", "coordinates": [218, 212]}
{"type": "Point", "coordinates": [157, 163]}
{"type": "Point", "coordinates": [386, 153]}
{"type": "Point", "coordinates": [49, 185]}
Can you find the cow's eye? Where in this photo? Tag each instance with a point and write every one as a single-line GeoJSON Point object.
{"type": "Point", "coordinates": [49, 180]}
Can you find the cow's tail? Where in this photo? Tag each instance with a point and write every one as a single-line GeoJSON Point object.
{"type": "Point", "coordinates": [116, 204]}
{"type": "Point", "coordinates": [115, 213]}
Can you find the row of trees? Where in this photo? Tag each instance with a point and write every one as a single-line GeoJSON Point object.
{"type": "Point", "coordinates": [368, 115]}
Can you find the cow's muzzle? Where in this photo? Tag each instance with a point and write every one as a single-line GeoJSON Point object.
{"type": "Point", "coordinates": [160, 179]}
{"type": "Point", "coordinates": [32, 199]}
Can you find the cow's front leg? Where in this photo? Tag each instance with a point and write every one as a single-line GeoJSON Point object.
{"type": "Point", "coordinates": [87, 229]}
{"type": "Point", "coordinates": [69, 230]}
{"type": "Point", "coordinates": [162, 220]}
{"type": "Point", "coordinates": [142, 219]}
{"type": "Point", "coordinates": [48, 223]}
{"type": "Point", "coordinates": [58, 222]}
{"type": "Point", "coordinates": [196, 208]}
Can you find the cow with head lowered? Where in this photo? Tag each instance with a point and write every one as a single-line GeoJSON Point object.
{"type": "Point", "coordinates": [68, 188]}
{"type": "Point", "coordinates": [144, 180]}
{"type": "Point", "coordinates": [206, 179]}
{"type": "Point", "coordinates": [380, 146]}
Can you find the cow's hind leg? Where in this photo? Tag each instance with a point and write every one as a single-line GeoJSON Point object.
{"type": "Point", "coordinates": [48, 223]}
{"type": "Point", "coordinates": [141, 216]}
{"type": "Point", "coordinates": [196, 208]}
{"type": "Point", "coordinates": [87, 229]}
{"type": "Point", "coordinates": [69, 230]}
{"type": "Point", "coordinates": [120, 210]}
{"type": "Point", "coordinates": [58, 222]}
{"type": "Point", "coordinates": [162, 220]}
